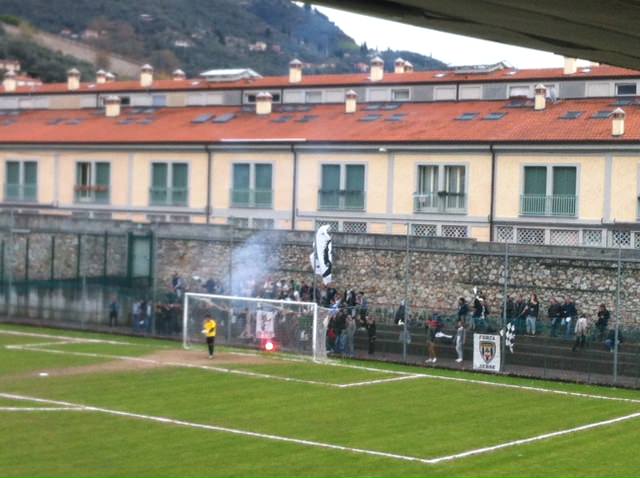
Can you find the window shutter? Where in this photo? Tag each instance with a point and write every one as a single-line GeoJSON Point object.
{"type": "Point", "coordinates": [535, 180]}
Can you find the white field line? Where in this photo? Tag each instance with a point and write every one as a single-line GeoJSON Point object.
{"type": "Point", "coordinates": [204, 426]}
{"type": "Point", "coordinates": [494, 384]}
{"type": "Point", "coordinates": [235, 431]}
{"type": "Point", "coordinates": [40, 409]}
{"type": "Point", "coordinates": [524, 441]}
{"type": "Point", "coordinates": [176, 364]}
{"type": "Point", "coordinates": [333, 364]}
{"type": "Point", "coordinates": [40, 344]}
{"type": "Point", "coordinates": [67, 338]}
{"type": "Point", "coordinates": [79, 340]}
{"type": "Point", "coordinates": [381, 380]}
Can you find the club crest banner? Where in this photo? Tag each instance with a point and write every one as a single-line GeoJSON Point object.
{"type": "Point", "coordinates": [486, 352]}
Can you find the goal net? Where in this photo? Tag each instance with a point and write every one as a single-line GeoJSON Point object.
{"type": "Point", "coordinates": [261, 324]}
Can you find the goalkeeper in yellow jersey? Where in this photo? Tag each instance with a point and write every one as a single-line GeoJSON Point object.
{"type": "Point", "coordinates": [209, 330]}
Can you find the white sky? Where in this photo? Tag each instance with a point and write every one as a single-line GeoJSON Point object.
{"type": "Point", "coordinates": [449, 48]}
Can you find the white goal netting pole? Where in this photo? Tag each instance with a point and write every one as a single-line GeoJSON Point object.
{"type": "Point", "coordinates": [288, 326]}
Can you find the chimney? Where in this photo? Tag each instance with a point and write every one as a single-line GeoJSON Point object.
{"type": "Point", "coordinates": [9, 81]}
{"type": "Point", "coordinates": [351, 102]}
{"type": "Point", "coordinates": [398, 66]}
{"type": "Point", "coordinates": [110, 77]}
{"type": "Point", "coordinates": [101, 77]}
{"type": "Point", "coordinates": [112, 106]}
{"type": "Point", "coordinates": [146, 76]}
{"type": "Point", "coordinates": [179, 75]}
{"type": "Point", "coordinates": [263, 103]}
{"type": "Point", "coordinates": [377, 69]}
{"type": "Point", "coordinates": [540, 97]}
{"type": "Point", "coordinates": [617, 123]}
{"type": "Point", "coordinates": [408, 67]}
{"type": "Point", "coordinates": [73, 79]}
{"type": "Point", "coordinates": [295, 71]}
{"type": "Point", "coordinates": [570, 66]}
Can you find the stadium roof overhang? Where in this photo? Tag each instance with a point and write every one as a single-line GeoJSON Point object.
{"type": "Point", "coordinates": [605, 32]}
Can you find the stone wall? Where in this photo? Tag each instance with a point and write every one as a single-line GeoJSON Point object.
{"type": "Point", "coordinates": [440, 270]}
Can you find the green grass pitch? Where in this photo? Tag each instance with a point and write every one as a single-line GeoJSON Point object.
{"type": "Point", "coordinates": [162, 411]}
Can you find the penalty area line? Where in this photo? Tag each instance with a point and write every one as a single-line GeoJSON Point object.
{"type": "Point", "coordinates": [41, 409]}
{"type": "Point", "coordinates": [317, 444]}
{"type": "Point", "coordinates": [203, 426]}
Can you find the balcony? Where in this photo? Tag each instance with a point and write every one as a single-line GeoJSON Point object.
{"type": "Point", "coordinates": [341, 200]}
{"type": "Point", "coordinates": [91, 194]}
{"type": "Point", "coordinates": [21, 192]}
{"type": "Point", "coordinates": [541, 205]}
{"type": "Point", "coordinates": [168, 196]}
{"type": "Point", "coordinates": [440, 202]}
{"type": "Point", "coordinates": [252, 198]}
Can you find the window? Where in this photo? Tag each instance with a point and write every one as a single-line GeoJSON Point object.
{"type": "Point", "coordinates": [22, 181]}
{"type": "Point", "coordinates": [313, 97]}
{"type": "Point", "coordinates": [92, 182]}
{"type": "Point", "coordinates": [252, 185]}
{"type": "Point", "coordinates": [342, 187]}
{"type": "Point", "coordinates": [519, 91]}
{"type": "Point", "coordinates": [354, 227]}
{"type": "Point", "coordinates": [241, 222]}
{"type": "Point", "coordinates": [467, 116]}
{"type": "Point", "coordinates": [158, 101]}
{"type": "Point", "coordinates": [549, 191]}
{"type": "Point", "coordinates": [401, 94]}
{"type": "Point", "coordinates": [259, 223]}
{"type": "Point", "coordinates": [444, 93]}
{"type": "Point", "coordinates": [441, 189]}
{"type": "Point", "coordinates": [626, 89]}
{"type": "Point", "coordinates": [169, 184]}
{"type": "Point", "coordinates": [251, 97]}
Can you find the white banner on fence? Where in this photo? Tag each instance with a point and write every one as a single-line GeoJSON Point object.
{"type": "Point", "coordinates": [486, 352]}
{"type": "Point", "coordinates": [264, 324]}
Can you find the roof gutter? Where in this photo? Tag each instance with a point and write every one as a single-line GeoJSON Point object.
{"type": "Point", "coordinates": [294, 194]}
{"type": "Point", "coordinates": [209, 165]}
{"type": "Point", "coordinates": [493, 192]}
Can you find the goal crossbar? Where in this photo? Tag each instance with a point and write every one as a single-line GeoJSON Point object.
{"type": "Point", "coordinates": [233, 309]}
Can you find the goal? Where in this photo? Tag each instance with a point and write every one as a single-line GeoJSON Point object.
{"type": "Point", "coordinates": [262, 324]}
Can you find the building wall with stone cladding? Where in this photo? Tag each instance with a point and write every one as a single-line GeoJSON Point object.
{"type": "Point", "coordinates": [439, 270]}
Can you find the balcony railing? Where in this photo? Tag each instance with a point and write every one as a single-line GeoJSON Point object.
{"type": "Point", "coordinates": [168, 196]}
{"type": "Point", "coordinates": [541, 205]}
{"type": "Point", "coordinates": [440, 202]}
{"type": "Point", "coordinates": [95, 194]}
{"type": "Point", "coordinates": [341, 199]}
{"type": "Point", "coordinates": [20, 192]}
{"type": "Point", "coordinates": [255, 198]}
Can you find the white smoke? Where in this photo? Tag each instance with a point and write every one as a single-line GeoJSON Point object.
{"type": "Point", "coordinates": [254, 260]}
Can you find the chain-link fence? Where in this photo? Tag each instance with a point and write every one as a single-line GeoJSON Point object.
{"type": "Point", "coordinates": [78, 275]}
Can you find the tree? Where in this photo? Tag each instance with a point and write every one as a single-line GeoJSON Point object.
{"type": "Point", "coordinates": [164, 61]}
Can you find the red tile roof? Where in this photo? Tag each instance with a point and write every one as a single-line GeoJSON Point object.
{"type": "Point", "coordinates": [338, 80]}
{"type": "Point", "coordinates": [419, 122]}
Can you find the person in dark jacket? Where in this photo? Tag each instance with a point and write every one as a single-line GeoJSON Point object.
{"type": "Point", "coordinates": [569, 313]}
{"type": "Point", "coordinates": [520, 307]}
{"type": "Point", "coordinates": [371, 332]}
{"type": "Point", "coordinates": [532, 311]}
{"type": "Point", "coordinates": [480, 312]}
{"type": "Point", "coordinates": [611, 339]}
{"type": "Point", "coordinates": [399, 317]}
{"type": "Point", "coordinates": [603, 321]}
{"type": "Point", "coordinates": [555, 315]}
{"type": "Point", "coordinates": [463, 310]}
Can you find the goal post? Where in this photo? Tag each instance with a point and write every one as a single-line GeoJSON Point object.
{"type": "Point", "coordinates": [261, 324]}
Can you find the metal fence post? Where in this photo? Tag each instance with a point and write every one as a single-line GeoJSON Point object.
{"type": "Point", "coordinates": [504, 302]}
{"type": "Point", "coordinates": [617, 323]}
{"type": "Point", "coordinates": [406, 297]}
